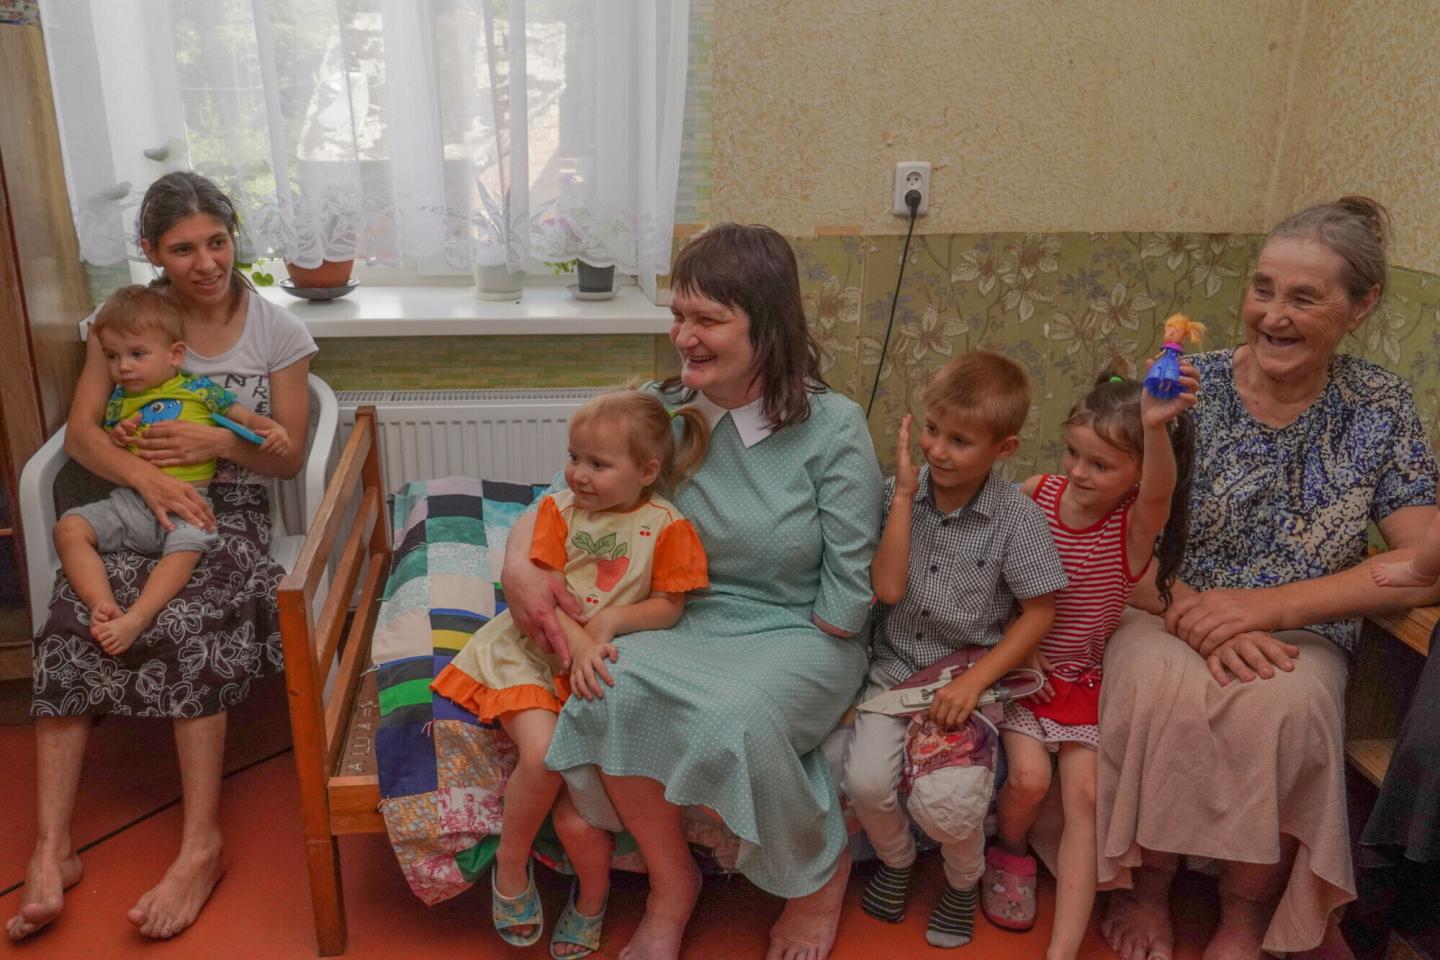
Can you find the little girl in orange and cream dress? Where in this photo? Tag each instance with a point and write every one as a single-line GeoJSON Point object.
{"type": "Point", "coordinates": [629, 558]}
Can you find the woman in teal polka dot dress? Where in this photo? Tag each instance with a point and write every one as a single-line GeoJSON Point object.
{"type": "Point", "coordinates": [727, 709]}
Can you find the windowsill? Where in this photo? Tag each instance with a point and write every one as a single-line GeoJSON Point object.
{"type": "Point", "coordinates": [454, 311]}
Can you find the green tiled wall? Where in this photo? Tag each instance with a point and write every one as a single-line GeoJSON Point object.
{"type": "Point", "coordinates": [436, 363]}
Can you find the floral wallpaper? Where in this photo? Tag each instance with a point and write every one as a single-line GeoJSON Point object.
{"type": "Point", "coordinates": [1065, 305]}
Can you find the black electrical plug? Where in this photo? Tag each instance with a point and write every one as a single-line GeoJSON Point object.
{"type": "Point", "coordinates": [912, 200]}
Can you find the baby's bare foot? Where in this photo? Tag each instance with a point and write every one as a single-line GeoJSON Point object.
{"type": "Point", "coordinates": [101, 612]}
{"type": "Point", "coordinates": [118, 634]}
{"type": "Point", "coordinates": [1399, 575]}
{"type": "Point", "coordinates": [45, 885]}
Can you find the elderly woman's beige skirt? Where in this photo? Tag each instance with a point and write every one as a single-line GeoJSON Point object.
{"type": "Point", "coordinates": [1189, 767]}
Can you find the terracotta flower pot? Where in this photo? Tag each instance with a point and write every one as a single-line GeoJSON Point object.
{"type": "Point", "coordinates": [330, 273]}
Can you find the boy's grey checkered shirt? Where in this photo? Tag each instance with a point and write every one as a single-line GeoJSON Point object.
{"type": "Point", "coordinates": [966, 571]}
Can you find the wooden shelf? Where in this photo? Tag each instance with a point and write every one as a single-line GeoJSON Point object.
{"type": "Point", "coordinates": [1410, 627]}
{"type": "Point", "coordinates": [1370, 757]}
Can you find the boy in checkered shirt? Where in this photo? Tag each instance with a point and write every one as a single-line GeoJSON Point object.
{"type": "Point", "coordinates": [961, 549]}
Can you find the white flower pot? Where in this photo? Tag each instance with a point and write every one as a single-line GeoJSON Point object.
{"type": "Point", "coordinates": [496, 282]}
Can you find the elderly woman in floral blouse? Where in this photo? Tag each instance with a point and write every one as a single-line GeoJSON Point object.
{"type": "Point", "coordinates": [1221, 723]}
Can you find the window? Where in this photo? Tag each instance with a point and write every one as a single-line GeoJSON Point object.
{"type": "Point", "coordinates": [422, 134]}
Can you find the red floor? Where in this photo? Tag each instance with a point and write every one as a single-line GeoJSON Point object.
{"type": "Point", "coordinates": [262, 907]}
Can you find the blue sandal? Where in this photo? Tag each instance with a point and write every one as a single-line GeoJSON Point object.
{"type": "Point", "coordinates": [522, 911]}
{"type": "Point", "coordinates": [576, 929]}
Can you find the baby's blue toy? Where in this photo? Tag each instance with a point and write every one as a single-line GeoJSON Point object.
{"type": "Point", "coordinates": [244, 433]}
{"type": "Point", "coordinates": [1162, 380]}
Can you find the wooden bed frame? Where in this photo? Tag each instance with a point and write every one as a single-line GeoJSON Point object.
{"type": "Point", "coordinates": [334, 736]}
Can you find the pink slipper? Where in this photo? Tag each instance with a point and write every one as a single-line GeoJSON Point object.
{"type": "Point", "coordinates": [1007, 890]}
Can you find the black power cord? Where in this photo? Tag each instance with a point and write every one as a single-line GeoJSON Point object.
{"type": "Point", "coordinates": [912, 200]}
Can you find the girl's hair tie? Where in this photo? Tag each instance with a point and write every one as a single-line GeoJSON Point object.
{"type": "Point", "coordinates": [1117, 379]}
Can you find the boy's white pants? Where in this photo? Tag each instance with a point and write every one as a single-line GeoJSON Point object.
{"type": "Point", "coordinates": [872, 774]}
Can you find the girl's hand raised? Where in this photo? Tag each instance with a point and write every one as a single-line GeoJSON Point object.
{"type": "Point", "coordinates": [1155, 412]}
{"type": "Point", "coordinates": [907, 475]}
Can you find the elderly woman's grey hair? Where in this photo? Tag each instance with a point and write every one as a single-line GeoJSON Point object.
{"type": "Point", "coordinates": [1356, 228]}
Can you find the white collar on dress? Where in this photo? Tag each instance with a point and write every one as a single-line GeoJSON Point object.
{"type": "Point", "coordinates": [749, 420]}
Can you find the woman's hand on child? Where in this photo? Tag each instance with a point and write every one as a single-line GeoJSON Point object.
{"type": "Point", "coordinates": [588, 669]}
{"type": "Point", "coordinates": [907, 475]}
{"type": "Point", "coordinates": [954, 703]}
{"type": "Point", "coordinates": [165, 495]}
{"type": "Point", "coordinates": [1155, 412]}
{"type": "Point", "coordinates": [532, 596]}
{"type": "Point", "coordinates": [178, 443]}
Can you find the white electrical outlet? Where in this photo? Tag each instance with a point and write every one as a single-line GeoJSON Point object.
{"type": "Point", "coordinates": [911, 175]}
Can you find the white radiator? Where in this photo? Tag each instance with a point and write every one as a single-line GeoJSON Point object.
{"type": "Point", "coordinates": [518, 436]}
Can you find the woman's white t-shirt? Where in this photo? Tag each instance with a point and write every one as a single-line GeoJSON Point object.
{"type": "Point", "coordinates": [272, 340]}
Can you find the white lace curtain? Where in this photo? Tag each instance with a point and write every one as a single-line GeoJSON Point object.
{"type": "Point", "coordinates": [416, 133]}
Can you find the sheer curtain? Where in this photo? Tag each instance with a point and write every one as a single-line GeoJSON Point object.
{"type": "Point", "coordinates": [419, 133]}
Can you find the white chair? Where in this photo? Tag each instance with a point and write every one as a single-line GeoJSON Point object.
{"type": "Point", "coordinates": [292, 502]}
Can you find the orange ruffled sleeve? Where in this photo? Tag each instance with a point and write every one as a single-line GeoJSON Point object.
{"type": "Point", "coordinates": [547, 545]}
{"type": "Point", "coordinates": [680, 564]}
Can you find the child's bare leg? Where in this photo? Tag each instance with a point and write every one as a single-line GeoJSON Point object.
{"type": "Point", "coordinates": [85, 569]}
{"type": "Point", "coordinates": [529, 795]}
{"type": "Point", "coordinates": [1026, 783]}
{"type": "Point", "coordinates": [588, 848]}
{"type": "Point", "coordinates": [165, 583]}
{"type": "Point", "coordinates": [1075, 866]}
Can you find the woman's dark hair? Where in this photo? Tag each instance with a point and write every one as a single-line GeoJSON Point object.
{"type": "Point", "coordinates": [1112, 410]}
{"type": "Point", "coordinates": [753, 269]}
{"type": "Point", "coordinates": [1356, 228]}
{"type": "Point", "coordinates": [182, 194]}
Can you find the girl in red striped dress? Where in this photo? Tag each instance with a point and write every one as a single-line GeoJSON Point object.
{"type": "Point", "coordinates": [1125, 485]}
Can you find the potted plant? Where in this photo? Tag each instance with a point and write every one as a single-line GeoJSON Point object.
{"type": "Point", "coordinates": [495, 280]}
{"type": "Point", "coordinates": [327, 223]}
{"type": "Point", "coordinates": [593, 279]}
{"type": "Point", "coordinates": [329, 275]}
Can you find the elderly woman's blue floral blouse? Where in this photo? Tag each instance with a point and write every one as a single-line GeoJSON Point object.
{"type": "Point", "coordinates": [1274, 505]}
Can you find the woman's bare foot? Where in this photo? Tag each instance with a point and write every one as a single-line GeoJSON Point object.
{"type": "Point", "coordinates": [1137, 924]}
{"type": "Point", "coordinates": [806, 928]}
{"type": "Point", "coordinates": [118, 634]}
{"type": "Point", "coordinates": [173, 904]}
{"type": "Point", "coordinates": [1241, 930]}
{"type": "Point", "coordinates": [46, 881]}
{"type": "Point", "coordinates": [667, 912]}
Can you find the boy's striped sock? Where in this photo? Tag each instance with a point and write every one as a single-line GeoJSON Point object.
{"type": "Point", "coordinates": [887, 893]}
{"type": "Point", "coordinates": [953, 920]}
